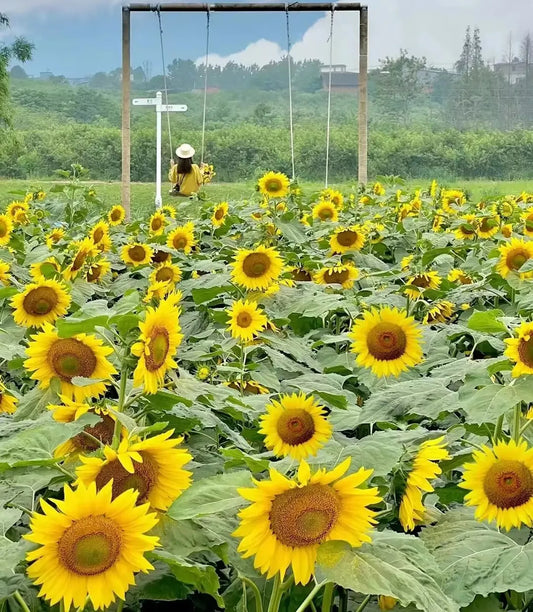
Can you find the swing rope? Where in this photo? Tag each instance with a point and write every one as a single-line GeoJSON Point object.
{"type": "Point", "coordinates": [328, 126]}
{"type": "Point", "coordinates": [158, 10]}
{"type": "Point", "coordinates": [291, 124]}
{"type": "Point", "coordinates": [208, 15]}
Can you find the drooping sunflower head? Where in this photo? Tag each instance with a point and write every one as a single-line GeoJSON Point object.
{"type": "Point", "coordinates": [137, 254]}
{"type": "Point", "coordinates": [440, 312]}
{"type": "Point", "coordinates": [247, 387]}
{"type": "Point", "coordinates": [452, 199]}
{"type": "Point", "coordinates": [158, 341]}
{"type": "Point", "coordinates": [346, 239]}
{"type": "Point", "coordinates": [153, 467]}
{"type": "Point", "coordinates": [245, 320]}
{"type": "Point", "coordinates": [341, 274]}
{"type": "Point", "coordinates": [167, 273]}
{"type": "Point", "coordinates": [97, 270]}
{"type": "Point", "coordinates": [438, 220]}
{"type": "Point", "coordinates": [419, 283]}
{"type": "Point", "coordinates": [325, 211]}
{"type": "Point", "coordinates": [295, 426]}
{"type": "Point", "coordinates": [45, 270]}
{"type": "Point", "coordinates": [520, 350]}
{"type": "Point", "coordinates": [466, 230]}
{"type": "Point", "coordinates": [257, 268]}
{"type": "Point", "coordinates": [160, 257]}
{"type": "Point", "coordinates": [387, 341]}
{"type": "Point", "coordinates": [41, 302]}
{"type": "Point", "coordinates": [300, 275]}
{"type": "Point", "coordinates": [500, 484]}
{"type": "Point", "coordinates": [90, 546]}
{"type": "Point", "coordinates": [84, 250]}
{"type": "Point", "coordinates": [4, 273]}
{"type": "Point", "coordinates": [82, 355]}
{"type": "Point", "coordinates": [54, 237]}
{"type": "Point", "coordinates": [182, 238]}
{"type": "Point", "coordinates": [378, 189]}
{"type": "Point", "coordinates": [459, 275]}
{"type": "Point", "coordinates": [513, 256]}
{"type": "Point", "coordinates": [99, 234]}
{"type": "Point", "coordinates": [157, 223]}
{"type": "Point", "coordinates": [488, 226]}
{"type": "Point", "coordinates": [169, 210]}
{"type": "Point", "coordinates": [116, 215]}
{"type": "Point", "coordinates": [6, 227]}
{"type": "Point", "coordinates": [274, 185]}
{"type": "Point", "coordinates": [288, 519]}
{"type": "Point", "coordinates": [8, 403]}
{"type": "Point", "coordinates": [527, 218]}
{"type": "Point", "coordinates": [220, 213]}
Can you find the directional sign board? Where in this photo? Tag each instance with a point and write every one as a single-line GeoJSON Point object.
{"type": "Point", "coordinates": [173, 107]}
{"type": "Point", "coordinates": [144, 101]}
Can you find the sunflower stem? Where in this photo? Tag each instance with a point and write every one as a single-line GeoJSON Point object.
{"type": "Point", "coordinates": [18, 597]}
{"type": "Point", "coordinates": [275, 596]}
{"type": "Point", "coordinates": [120, 605]}
{"type": "Point", "coordinates": [255, 590]}
{"type": "Point", "coordinates": [364, 603]}
{"type": "Point", "coordinates": [327, 598]}
{"type": "Point", "coordinates": [498, 429]}
{"type": "Point", "coordinates": [517, 422]}
{"type": "Point", "coordinates": [310, 597]}
{"type": "Point", "coordinates": [524, 427]}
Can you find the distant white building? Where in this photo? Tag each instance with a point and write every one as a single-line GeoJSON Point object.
{"type": "Point", "coordinates": [341, 79]}
{"type": "Point", "coordinates": [513, 71]}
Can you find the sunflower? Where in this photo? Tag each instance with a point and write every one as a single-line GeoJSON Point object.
{"type": "Point", "coordinates": [166, 272]}
{"type": "Point", "coordinates": [85, 248]}
{"type": "Point", "coordinates": [203, 373]}
{"type": "Point", "coordinates": [90, 546]}
{"type": "Point", "coordinates": [137, 254]}
{"type": "Point", "coordinates": [438, 220]}
{"type": "Point", "coordinates": [160, 257]}
{"type": "Point", "coordinates": [274, 185]}
{"type": "Point", "coordinates": [333, 196]}
{"type": "Point", "coordinates": [157, 223]}
{"type": "Point", "coordinates": [385, 602]}
{"type": "Point", "coordinates": [248, 387]}
{"type": "Point", "coordinates": [256, 269]}
{"type": "Point", "coordinates": [386, 341]}
{"type": "Point", "coordinates": [341, 274]}
{"type": "Point", "coordinates": [513, 256]}
{"type": "Point", "coordinates": [82, 355]}
{"type": "Point", "coordinates": [300, 275]}
{"type": "Point", "coordinates": [153, 467]}
{"type": "Point", "coordinates": [54, 236]}
{"type": "Point", "coordinates": [459, 275]}
{"type": "Point", "coordinates": [452, 198]}
{"type": "Point", "coordinates": [325, 211]}
{"type": "Point", "coordinates": [346, 239]}
{"type": "Point", "coordinates": [439, 312]}
{"type": "Point", "coordinates": [99, 234]}
{"type": "Point", "coordinates": [8, 403]}
{"type": "Point", "coordinates": [289, 519]}
{"type": "Point", "coordinates": [378, 189]}
{"type": "Point", "coordinates": [6, 227]}
{"type": "Point", "coordinates": [182, 238]}
{"type": "Point", "coordinates": [219, 214]}
{"type": "Point", "coordinates": [169, 210]}
{"type": "Point", "coordinates": [246, 320]}
{"type": "Point", "coordinates": [425, 468]}
{"type": "Point", "coordinates": [157, 291]}
{"type": "Point", "coordinates": [15, 207]}
{"type": "Point", "coordinates": [116, 215]}
{"type": "Point", "coordinates": [4, 273]}
{"type": "Point", "coordinates": [97, 270]}
{"type": "Point", "coordinates": [507, 230]}
{"type": "Point", "coordinates": [44, 270]}
{"type": "Point", "coordinates": [500, 483]}
{"type": "Point", "coordinates": [160, 337]}
{"type": "Point", "coordinates": [520, 350]}
{"type": "Point", "coordinates": [527, 218]}
{"type": "Point", "coordinates": [295, 426]}
{"type": "Point", "coordinates": [41, 302]}
{"type": "Point", "coordinates": [488, 226]}
{"type": "Point", "coordinates": [467, 228]}
{"type": "Point", "coordinates": [421, 282]}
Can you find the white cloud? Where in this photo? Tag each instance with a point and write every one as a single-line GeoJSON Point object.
{"type": "Point", "coordinates": [76, 7]}
{"type": "Point", "coordinates": [436, 32]}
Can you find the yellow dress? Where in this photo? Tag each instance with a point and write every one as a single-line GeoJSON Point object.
{"type": "Point", "coordinates": [189, 183]}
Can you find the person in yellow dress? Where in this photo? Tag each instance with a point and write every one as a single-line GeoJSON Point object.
{"type": "Point", "coordinates": [186, 177]}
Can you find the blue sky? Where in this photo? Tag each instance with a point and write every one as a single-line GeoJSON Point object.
{"type": "Point", "coordinates": [81, 37]}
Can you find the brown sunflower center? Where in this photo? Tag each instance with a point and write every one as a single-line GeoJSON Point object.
{"type": "Point", "coordinates": [244, 319]}
{"type": "Point", "coordinates": [347, 238]}
{"type": "Point", "coordinates": [55, 237]}
{"type": "Point", "coordinates": [116, 215]}
{"type": "Point", "coordinates": [137, 253]}
{"type": "Point", "coordinates": [143, 479]}
{"type": "Point", "coordinates": [102, 431]}
{"type": "Point", "coordinates": [326, 213]}
{"type": "Point", "coordinates": [3, 228]}
{"type": "Point", "coordinates": [79, 260]}
{"type": "Point", "coordinates": [529, 223]}
{"type": "Point", "coordinates": [525, 351]}
{"type": "Point", "coordinates": [336, 276]}
{"type": "Point", "coordinates": [40, 301]}
{"type": "Point", "coordinates": [157, 223]}
{"type": "Point", "coordinates": [386, 341]}
{"type": "Point", "coordinates": [295, 426]}
{"type": "Point", "coordinates": [421, 281]}
{"type": "Point", "coordinates": [94, 273]}
{"type": "Point", "coordinates": [164, 274]}
{"type": "Point", "coordinates": [179, 242]}
{"type": "Point", "coordinates": [487, 224]}
{"type": "Point", "coordinates": [300, 275]}
{"type": "Point", "coordinates": [304, 516]}
{"type": "Point", "coordinates": [256, 264]}
{"type": "Point", "coordinates": [467, 229]}
{"type": "Point", "coordinates": [273, 185]}
{"type": "Point", "coordinates": [98, 234]}
{"type": "Point", "coordinates": [158, 347]}
{"type": "Point", "coordinates": [90, 546]}
{"type": "Point", "coordinates": [70, 357]}
{"type": "Point", "coordinates": [516, 258]}
{"type": "Point", "coordinates": [160, 256]}
{"type": "Point", "coordinates": [219, 214]}
{"type": "Point", "coordinates": [508, 483]}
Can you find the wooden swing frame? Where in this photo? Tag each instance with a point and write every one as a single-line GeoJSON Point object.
{"type": "Point", "coordinates": [241, 8]}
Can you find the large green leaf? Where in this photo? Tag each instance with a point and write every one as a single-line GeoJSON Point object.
{"type": "Point", "coordinates": [487, 321]}
{"type": "Point", "coordinates": [394, 564]}
{"type": "Point", "coordinates": [475, 559]}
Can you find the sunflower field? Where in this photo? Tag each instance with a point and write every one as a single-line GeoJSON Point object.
{"type": "Point", "coordinates": [300, 401]}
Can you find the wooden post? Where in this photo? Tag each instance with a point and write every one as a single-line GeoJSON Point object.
{"type": "Point", "coordinates": [126, 87]}
{"type": "Point", "coordinates": [363, 95]}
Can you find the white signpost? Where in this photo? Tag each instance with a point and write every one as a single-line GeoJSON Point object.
{"type": "Point", "coordinates": [160, 108]}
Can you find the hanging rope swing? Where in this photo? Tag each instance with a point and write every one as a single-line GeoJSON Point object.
{"type": "Point", "coordinates": [165, 85]}
{"type": "Point", "coordinates": [328, 123]}
{"type": "Point", "coordinates": [289, 70]}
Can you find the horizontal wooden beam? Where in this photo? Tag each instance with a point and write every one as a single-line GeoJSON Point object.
{"type": "Point", "coordinates": [229, 7]}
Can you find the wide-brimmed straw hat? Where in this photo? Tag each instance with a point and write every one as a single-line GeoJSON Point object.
{"type": "Point", "coordinates": [185, 151]}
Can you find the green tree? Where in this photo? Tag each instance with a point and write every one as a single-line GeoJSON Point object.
{"type": "Point", "coordinates": [21, 50]}
{"type": "Point", "coordinates": [18, 72]}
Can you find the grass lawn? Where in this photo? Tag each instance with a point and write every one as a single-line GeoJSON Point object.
{"type": "Point", "coordinates": [142, 194]}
